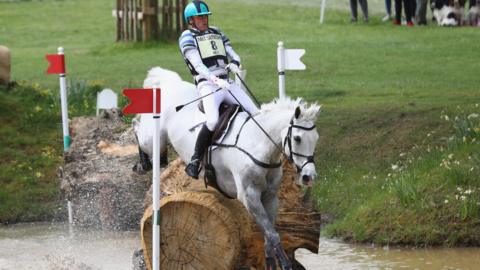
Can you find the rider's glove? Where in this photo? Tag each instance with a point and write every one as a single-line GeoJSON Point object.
{"type": "Point", "coordinates": [233, 67]}
{"type": "Point", "coordinates": [220, 82]}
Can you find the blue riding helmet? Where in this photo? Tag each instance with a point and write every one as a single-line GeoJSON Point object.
{"type": "Point", "coordinates": [196, 8]}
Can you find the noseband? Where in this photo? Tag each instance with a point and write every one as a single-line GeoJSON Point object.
{"type": "Point", "coordinates": [288, 142]}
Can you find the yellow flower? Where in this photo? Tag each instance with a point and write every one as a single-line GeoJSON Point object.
{"type": "Point", "coordinates": [39, 174]}
{"type": "Point", "coordinates": [37, 109]}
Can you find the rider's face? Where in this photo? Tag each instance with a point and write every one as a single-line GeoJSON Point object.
{"type": "Point", "coordinates": [200, 22]}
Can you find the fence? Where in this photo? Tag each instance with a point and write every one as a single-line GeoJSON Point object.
{"type": "Point", "coordinates": [138, 20]}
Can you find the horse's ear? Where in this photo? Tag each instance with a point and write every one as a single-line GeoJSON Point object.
{"type": "Point", "coordinates": [297, 112]}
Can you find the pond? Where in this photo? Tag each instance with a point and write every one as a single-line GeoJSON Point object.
{"type": "Point", "coordinates": [57, 246]}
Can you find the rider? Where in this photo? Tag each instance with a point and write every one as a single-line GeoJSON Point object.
{"type": "Point", "coordinates": [209, 54]}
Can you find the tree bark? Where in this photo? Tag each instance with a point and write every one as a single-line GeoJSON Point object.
{"type": "Point", "coordinates": [202, 229]}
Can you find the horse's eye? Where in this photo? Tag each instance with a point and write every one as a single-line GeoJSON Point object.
{"type": "Point", "coordinates": [298, 139]}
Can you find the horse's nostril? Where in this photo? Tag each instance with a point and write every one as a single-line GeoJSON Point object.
{"type": "Point", "coordinates": [305, 178]}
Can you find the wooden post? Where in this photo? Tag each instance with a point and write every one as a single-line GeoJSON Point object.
{"type": "Point", "coordinates": [155, 20]}
{"type": "Point", "coordinates": [125, 20]}
{"type": "Point", "coordinates": [170, 19]}
{"type": "Point", "coordinates": [138, 19]}
{"type": "Point", "coordinates": [119, 20]}
{"type": "Point", "coordinates": [178, 17]}
{"type": "Point", "coordinates": [135, 16]}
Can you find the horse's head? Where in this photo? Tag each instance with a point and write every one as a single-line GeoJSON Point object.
{"type": "Point", "coordinates": [299, 141]}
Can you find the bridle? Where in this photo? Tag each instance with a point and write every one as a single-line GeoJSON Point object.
{"type": "Point", "coordinates": [288, 142]}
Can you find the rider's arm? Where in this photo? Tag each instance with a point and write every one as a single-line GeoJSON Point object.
{"type": "Point", "coordinates": [194, 58]}
{"type": "Point", "coordinates": [231, 54]}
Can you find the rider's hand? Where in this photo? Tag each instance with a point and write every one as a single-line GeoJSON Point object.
{"type": "Point", "coordinates": [220, 82]}
{"type": "Point", "coordinates": [233, 68]}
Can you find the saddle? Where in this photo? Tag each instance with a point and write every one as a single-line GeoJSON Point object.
{"type": "Point", "coordinates": [227, 114]}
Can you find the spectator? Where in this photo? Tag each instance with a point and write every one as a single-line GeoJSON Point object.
{"type": "Point", "coordinates": [388, 8]}
{"type": "Point", "coordinates": [407, 7]}
{"type": "Point", "coordinates": [363, 5]}
{"type": "Point", "coordinates": [421, 12]}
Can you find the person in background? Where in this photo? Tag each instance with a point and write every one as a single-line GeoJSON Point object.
{"type": "Point", "coordinates": [407, 7]}
{"type": "Point", "coordinates": [353, 8]}
{"type": "Point", "coordinates": [421, 12]}
{"type": "Point", "coordinates": [388, 9]}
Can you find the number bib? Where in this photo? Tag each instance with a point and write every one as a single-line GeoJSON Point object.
{"type": "Point", "coordinates": [211, 45]}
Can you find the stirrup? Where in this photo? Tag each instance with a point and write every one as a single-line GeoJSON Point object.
{"type": "Point", "coordinates": [193, 168]}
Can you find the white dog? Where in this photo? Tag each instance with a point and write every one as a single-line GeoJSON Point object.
{"type": "Point", "coordinates": [448, 12]}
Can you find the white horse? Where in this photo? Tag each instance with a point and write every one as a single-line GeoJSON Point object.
{"type": "Point", "coordinates": [249, 168]}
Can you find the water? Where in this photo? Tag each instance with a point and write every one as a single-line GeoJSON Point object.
{"type": "Point", "coordinates": [55, 246]}
{"type": "Point", "coordinates": [334, 254]}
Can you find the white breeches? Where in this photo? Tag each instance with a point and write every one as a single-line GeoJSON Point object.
{"type": "Point", "coordinates": [212, 102]}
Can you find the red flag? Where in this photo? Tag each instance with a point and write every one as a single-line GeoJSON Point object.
{"type": "Point", "coordinates": [141, 101]}
{"type": "Point", "coordinates": [56, 63]}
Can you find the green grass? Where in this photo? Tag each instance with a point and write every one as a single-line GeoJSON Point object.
{"type": "Point", "coordinates": [28, 139]}
{"type": "Point", "coordinates": [383, 89]}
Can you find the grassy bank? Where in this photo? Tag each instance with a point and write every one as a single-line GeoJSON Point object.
{"type": "Point", "coordinates": [383, 90]}
{"type": "Point", "coordinates": [28, 140]}
{"type": "Point", "coordinates": [429, 196]}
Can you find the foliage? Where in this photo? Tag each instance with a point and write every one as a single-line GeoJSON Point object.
{"type": "Point", "coordinates": [82, 96]}
{"type": "Point", "coordinates": [430, 197]}
{"type": "Point", "coordinates": [30, 151]}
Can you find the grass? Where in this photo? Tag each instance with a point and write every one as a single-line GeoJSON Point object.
{"type": "Point", "coordinates": [29, 133]}
{"type": "Point", "coordinates": [383, 90]}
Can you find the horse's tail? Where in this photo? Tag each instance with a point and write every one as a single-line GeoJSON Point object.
{"type": "Point", "coordinates": [158, 76]}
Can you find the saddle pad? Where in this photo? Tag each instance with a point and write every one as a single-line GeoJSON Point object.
{"type": "Point", "coordinates": [227, 115]}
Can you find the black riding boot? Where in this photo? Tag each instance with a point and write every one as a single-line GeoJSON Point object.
{"type": "Point", "coordinates": [203, 141]}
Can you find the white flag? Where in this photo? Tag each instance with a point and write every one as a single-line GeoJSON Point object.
{"type": "Point", "coordinates": [292, 59]}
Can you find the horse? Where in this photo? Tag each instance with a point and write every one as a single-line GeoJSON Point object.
{"type": "Point", "coordinates": [247, 159]}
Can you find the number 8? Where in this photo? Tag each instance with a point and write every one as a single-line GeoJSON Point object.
{"type": "Point", "coordinates": [214, 45]}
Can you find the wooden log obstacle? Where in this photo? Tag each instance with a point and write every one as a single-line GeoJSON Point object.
{"type": "Point", "coordinates": [202, 229]}
{"type": "Point", "coordinates": [143, 20]}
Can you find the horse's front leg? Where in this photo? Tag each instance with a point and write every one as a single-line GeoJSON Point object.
{"type": "Point", "coordinates": [253, 202]}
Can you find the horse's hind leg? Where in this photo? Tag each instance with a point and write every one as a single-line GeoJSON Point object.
{"type": "Point", "coordinates": [164, 158]}
{"type": "Point", "coordinates": [145, 165]}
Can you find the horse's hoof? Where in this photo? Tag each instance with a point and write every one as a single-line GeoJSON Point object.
{"type": "Point", "coordinates": [138, 169]}
{"type": "Point", "coordinates": [193, 169]}
{"type": "Point", "coordinates": [282, 257]}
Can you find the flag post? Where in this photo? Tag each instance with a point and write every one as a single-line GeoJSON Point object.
{"type": "Point", "coordinates": [64, 103]}
{"type": "Point", "coordinates": [322, 11]}
{"type": "Point", "coordinates": [281, 69]}
{"type": "Point", "coordinates": [287, 59]}
{"type": "Point", "coordinates": [57, 66]}
{"type": "Point", "coordinates": [156, 182]}
{"type": "Point", "coordinates": [149, 101]}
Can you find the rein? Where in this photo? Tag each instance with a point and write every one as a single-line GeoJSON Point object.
{"type": "Point", "coordinates": [256, 161]}
{"type": "Point", "coordinates": [310, 159]}
{"type": "Point", "coordinates": [287, 142]}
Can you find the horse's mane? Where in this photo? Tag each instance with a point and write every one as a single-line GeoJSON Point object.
{"type": "Point", "coordinates": [308, 112]}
